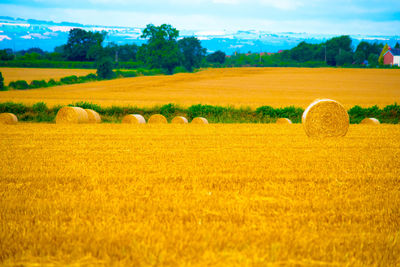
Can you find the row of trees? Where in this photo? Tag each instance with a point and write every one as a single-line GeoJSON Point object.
{"type": "Point", "coordinates": [337, 51]}
{"type": "Point", "coordinates": [165, 50]}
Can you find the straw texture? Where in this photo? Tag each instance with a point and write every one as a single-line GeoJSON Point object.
{"type": "Point", "coordinates": [283, 121]}
{"type": "Point", "coordinates": [200, 120]}
{"type": "Point", "coordinates": [68, 115]}
{"type": "Point", "coordinates": [325, 118]}
{"type": "Point", "coordinates": [93, 116]}
{"type": "Point", "coordinates": [370, 121]}
{"type": "Point", "coordinates": [134, 119]}
{"type": "Point", "coordinates": [157, 118]}
{"type": "Point", "coordinates": [179, 120]}
{"type": "Point", "coordinates": [8, 118]}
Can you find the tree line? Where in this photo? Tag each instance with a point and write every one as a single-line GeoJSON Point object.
{"type": "Point", "coordinates": [337, 51]}
{"type": "Point", "coordinates": [166, 51]}
{"type": "Point", "coordinates": [163, 51]}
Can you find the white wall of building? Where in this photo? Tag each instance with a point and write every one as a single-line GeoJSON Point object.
{"type": "Point", "coordinates": [396, 60]}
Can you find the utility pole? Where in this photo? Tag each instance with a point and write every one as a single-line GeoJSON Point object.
{"type": "Point", "coordinates": [325, 53]}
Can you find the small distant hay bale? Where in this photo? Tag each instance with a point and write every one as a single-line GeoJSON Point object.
{"type": "Point", "coordinates": [68, 115]}
{"type": "Point", "coordinates": [134, 119]}
{"type": "Point", "coordinates": [200, 120]}
{"type": "Point", "coordinates": [370, 121]}
{"type": "Point", "coordinates": [8, 118]}
{"type": "Point", "coordinates": [179, 120]}
{"type": "Point", "coordinates": [325, 118]}
{"type": "Point", "coordinates": [283, 121]}
{"type": "Point", "coordinates": [157, 118]}
{"type": "Point", "coordinates": [93, 116]}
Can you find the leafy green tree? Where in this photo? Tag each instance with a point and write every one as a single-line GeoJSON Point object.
{"type": "Point", "coordinates": [161, 50]}
{"type": "Point", "coordinates": [373, 60]}
{"type": "Point", "coordinates": [105, 68]}
{"type": "Point", "coordinates": [397, 45]}
{"type": "Point", "coordinates": [1, 82]}
{"type": "Point", "coordinates": [367, 49]}
{"type": "Point", "coordinates": [121, 53]}
{"type": "Point", "coordinates": [30, 56]}
{"type": "Point", "coordinates": [384, 50]}
{"type": "Point", "coordinates": [359, 57]}
{"type": "Point", "coordinates": [303, 52]}
{"type": "Point", "coordinates": [192, 52]}
{"type": "Point", "coordinates": [83, 45]}
{"type": "Point", "coordinates": [216, 57]}
{"type": "Point", "coordinates": [6, 54]}
{"type": "Point", "coordinates": [345, 57]}
{"type": "Point", "coordinates": [335, 47]}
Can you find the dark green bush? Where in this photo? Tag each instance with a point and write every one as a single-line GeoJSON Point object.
{"type": "Point", "coordinates": [52, 82]}
{"type": "Point", "coordinates": [40, 107]}
{"type": "Point", "coordinates": [86, 105]}
{"type": "Point", "coordinates": [105, 68]}
{"type": "Point", "coordinates": [391, 113]}
{"type": "Point", "coordinates": [266, 111]}
{"type": "Point", "coordinates": [2, 88]}
{"type": "Point", "coordinates": [69, 79]}
{"type": "Point", "coordinates": [125, 74]}
{"type": "Point", "coordinates": [91, 77]}
{"type": "Point", "coordinates": [38, 84]}
{"type": "Point", "coordinates": [179, 69]}
{"type": "Point", "coordinates": [357, 113]}
{"type": "Point", "coordinates": [19, 85]}
{"type": "Point", "coordinates": [16, 108]}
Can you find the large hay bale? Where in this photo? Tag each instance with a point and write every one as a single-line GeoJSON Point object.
{"type": "Point", "coordinates": [370, 121]}
{"type": "Point", "coordinates": [283, 121]}
{"type": "Point", "coordinates": [8, 118]}
{"type": "Point", "coordinates": [200, 120]}
{"type": "Point", "coordinates": [69, 115]}
{"type": "Point", "coordinates": [157, 118]}
{"type": "Point", "coordinates": [325, 118]}
{"type": "Point", "coordinates": [133, 119]}
{"type": "Point", "coordinates": [93, 116]}
{"type": "Point", "coordinates": [179, 120]}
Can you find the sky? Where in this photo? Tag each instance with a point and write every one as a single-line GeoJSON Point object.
{"type": "Point", "coordinates": [371, 17]}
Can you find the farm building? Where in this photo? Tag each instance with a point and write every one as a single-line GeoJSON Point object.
{"type": "Point", "coordinates": [392, 57]}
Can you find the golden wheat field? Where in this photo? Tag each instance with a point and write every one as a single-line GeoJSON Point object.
{"type": "Point", "coordinates": [29, 74]}
{"type": "Point", "coordinates": [254, 87]}
{"type": "Point", "coordinates": [202, 195]}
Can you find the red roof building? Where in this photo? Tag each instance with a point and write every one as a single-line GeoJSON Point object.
{"type": "Point", "coordinates": [392, 57]}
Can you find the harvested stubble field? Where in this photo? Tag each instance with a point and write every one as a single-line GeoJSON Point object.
{"type": "Point", "coordinates": [247, 194]}
{"type": "Point", "coordinates": [29, 74]}
{"type": "Point", "coordinates": [254, 87]}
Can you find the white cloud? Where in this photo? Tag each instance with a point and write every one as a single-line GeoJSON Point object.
{"type": "Point", "coordinates": [4, 37]}
{"type": "Point", "coordinates": [229, 2]}
{"type": "Point", "coordinates": [283, 4]}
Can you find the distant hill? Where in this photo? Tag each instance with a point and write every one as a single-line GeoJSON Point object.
{"type": "Point", "coordinates": [19, 34]}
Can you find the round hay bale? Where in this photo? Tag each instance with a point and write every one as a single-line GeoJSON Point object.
{"type": "Point", "coordinates": [283, 121]}
{"type": "Point", "coordinates": [370, 121]}
{"type": "Point", "coordinates": [69, 115]}
{"type": "Point", "coordinates": [134, 119]}
{"type": "Point", "coordinates": [8, 118]}
{"type": "Point", "coordinates": [157, 118]}
{"type": "Point", "coordinates": [93, 116]}
{"type": "Point", "coordinates": [179, 120]}
{"type": "Point", "coordinates": [200, 120]}
{"type": "Point", "coordinates": [325, 118]}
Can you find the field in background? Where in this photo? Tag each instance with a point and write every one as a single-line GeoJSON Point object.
{"type": "Point", "coordinates": [198, 194]}
{"type": "Point", "coordinates": [254, 87]}
{"type": "Point", "coordinates": [29, 74]}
